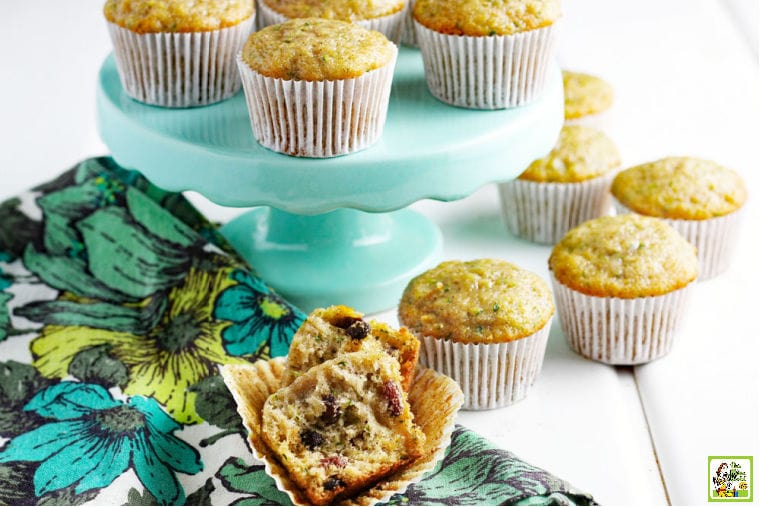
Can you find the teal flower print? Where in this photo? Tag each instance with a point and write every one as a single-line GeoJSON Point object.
{"type": "Point", "coordinates": [93, 439]}
{"type": "Point", "coordinates": [260, 318]}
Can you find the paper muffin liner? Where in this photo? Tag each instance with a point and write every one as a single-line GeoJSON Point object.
{"type": "Point", "coordinates": [318, 118]}
{"type": "Point", "coordinates": [179, 69]}
{"type": "Point", "coordinates": [620, 331]}
{"type": "Point", "coordinates": [434, 400]}
{"type": "Point", "coordinates": [544, 212]}
{"type": "Point", "coordinates": [491, 375]}
{"type": "Point", "coordinates": [714, 238]}
{"type": "Point", "coordinates": [489, 72]}
{"type": "Point", "coordinates": [390, 25]}
{"type": "Point", "coordinates": [408, 32]}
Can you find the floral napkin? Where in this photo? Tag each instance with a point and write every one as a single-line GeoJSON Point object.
{"type": "Point", "coordinates": [118, 302]}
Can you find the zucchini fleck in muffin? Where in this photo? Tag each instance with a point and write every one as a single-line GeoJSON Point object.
{"type": "Point", "coordinates": [317, 87]}
{"type": "Point", "coordinates": [178, 53]}
{"type": "Point", "coordinates": [385, 16]}
{"type": "Point", "coordinates": [328, 332]}
{"type": "Point", "coordinates": [484, 323]}
{"type": "Point", "coordinates": [567, 187]}
{"type": "Point", "coordinates": [621, 285]}
{"type": "Point", "coordinates": [486, 55]}
{"type": "Point", "coordinates": [585, 94]}
{"type": "Point", "coordinates": [701, 199]}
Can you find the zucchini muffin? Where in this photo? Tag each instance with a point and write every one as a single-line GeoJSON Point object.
{"type": "Point", "coordinates": [317, 87]}
{"type": "Point", "coordinates": [385, 16]}
{"type": "Point", "coordinates": [585, 94]}
{"type": "Point", "coordinates": [564, 189]}
{"type": "Point", "coordinates": [621, 285]}
{"type": "Point", "coordinates": [178, 53]}
{"type": "Point", "coordinates": [486, 55]}
{"type": "Point", "coordinates": [329, 332]}
{"type": "Point", "coordinates": [484, 323]}
{"type": "Point", "coordinates": [701, 199]}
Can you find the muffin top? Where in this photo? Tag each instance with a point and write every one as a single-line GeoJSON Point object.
{"type": "Point", "coordinates": [581, 153]}
{"type": "Point", "coordinates": [151, 16]}
{"type": "Point", "coordinates": [680, 188]}
{"type": "Point", "coordinates": [346, 10]}
{"type": "Point", "coordinates": [479, 301]}
{"type": "Point", "coordinates": [585, 94]}
{"type": "Point", "coordinates": [486, 17]}
{"type": "Point", "coordinates": [314, 49]}
{"type": "Point", "coordinates": [625, 256]}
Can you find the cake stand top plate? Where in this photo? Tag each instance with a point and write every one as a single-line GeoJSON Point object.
{"type": "Point", "coordinates": [428, 149]}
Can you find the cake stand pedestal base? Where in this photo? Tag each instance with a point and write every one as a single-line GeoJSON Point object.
{"type": "Point", "coordinates": [350, 257]}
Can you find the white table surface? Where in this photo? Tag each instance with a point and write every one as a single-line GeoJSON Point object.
{"type": "Point", "coordinates": [687, 83]}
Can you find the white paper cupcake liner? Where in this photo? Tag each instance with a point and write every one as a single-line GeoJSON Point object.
{"type": "Point", "coordinates": [620, 331]}
{"type": "Point", "coordinates": [714, 238]}
{"type": "Point", "coordinates": [494, 72]}
{"type": "Point", "coordinates": [544, 212]}
{"type": "Point", "coordinates": [390, 25]}
{"type": "Point", "coordinates": [317, 118]}
{"type": "Point", "coordinates": [491, 375]}
{"type": "Point", "coordinates": [179, 69]}
{"type": "Point", "coordinates": [408, 32]}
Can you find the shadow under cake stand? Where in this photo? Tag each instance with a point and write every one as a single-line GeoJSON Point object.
{"type": "Point", "coordinates": [332, 231]}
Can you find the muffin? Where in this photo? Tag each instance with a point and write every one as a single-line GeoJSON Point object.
{"type": "Point", "coordinates": [178, 53]}
{"type": "Point", "coordinates": [486, 55]}
{"type": "Point", "coordinates": [564, 189]}
{"type": "Point", "coordinates": [317, 87]}
{"type": "Point", "coordinates": [329, 332]}
{"type": "Point", "coordinates": [385, 16]}
{"type": "Point", "coordinates": [585, 95]}
{"type": "Point", "coordinates": [342, 426]}
{"type": "Point", "coordinates": [621, 284]}
{"type": "Point", "coordinates": [699, 198]}
{"type": "Point", "coordinates": [483, 323]}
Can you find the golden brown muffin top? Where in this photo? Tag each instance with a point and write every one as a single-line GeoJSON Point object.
{"type": "Point", "coordinates": [581, 153]}
{"type": "Point", "coordinates": [346, 10]}
{"type": "Point", "coordinates": [152, 16]}
{"type": "Point", "coordinates": [680, 188]}
{"type": "Point", "coordinates": [314, 49]}
{"type": "Point", "coordinates": [585, 94]}
{"type": "Point", "coordinates": [625, 256]}
{"type": "Point", "coordinates": [479, 301]}
{"type": "Point", "coordinates": [486, 17]}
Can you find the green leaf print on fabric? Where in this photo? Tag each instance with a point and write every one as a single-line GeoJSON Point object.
{"type": "Point", "coordinates": [251, 480]}
{"type": "Point", "coordinates": [5, 317]}
{"type": "Point", "coordinates": [215, 405]}
{"type": "Point", "coordinates": [16, 229]}
{"type": "Point", "coordinates": [18, 384]}
{"type": "Point", "coordinates": [92, 438]}
{"type": "Point", "coordinates": [97, 366]}
{"type": "Point", "coordinates": [202, 496]}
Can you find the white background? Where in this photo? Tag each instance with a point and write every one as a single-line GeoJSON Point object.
{"type": "Point", "coordinates": [686, 79]}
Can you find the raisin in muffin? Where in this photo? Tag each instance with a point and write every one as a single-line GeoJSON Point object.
{"type": "Point", "coordinates": [329, 332]}
{"type": "Point", "coordinates": [486, 55]}
{"type": "Point", "coordinates": [484, 323]}
{"type": "Point", "coordinates": [317, 87]}
{"type": "Point", "coordinates": [622, 284]}
{"type": "Point", "coordinates": [701, 199]}
{"type": "Point", "coordinates": [178, 53]}
{"type": "Point", "coordinates": [564, 189]}
{"type": "Point", "coordinates": [342, 426]}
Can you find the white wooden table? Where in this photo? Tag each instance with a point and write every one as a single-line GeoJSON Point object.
{"type": "Point", "coordinates": [686, 79]}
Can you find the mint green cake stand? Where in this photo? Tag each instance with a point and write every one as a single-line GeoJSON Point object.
{"type": "Point", "coordinates": [332, 231]}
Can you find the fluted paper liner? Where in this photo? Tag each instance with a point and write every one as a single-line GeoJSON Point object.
{"type": "Point", "coordinates": [179, 69]}
{"type": "Point", "coordinates": [434, 400]}
{"type": "Point", "coordinates": [620, 331]}
{"type": "Point", "coordinates": [318, 118]}
{"type": "Point", "coordinates": [715, 239]}
{"type": "Point", "coordinates": [489, 72]}
{"type": "Point", "coordinates": [390, 25]}
{"type": "Point", "coordinates": [544, 212]}
{"type": "Point", "coordinates": [408, 32]}
{"type": "Point", "coordinates": [491, 375]}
